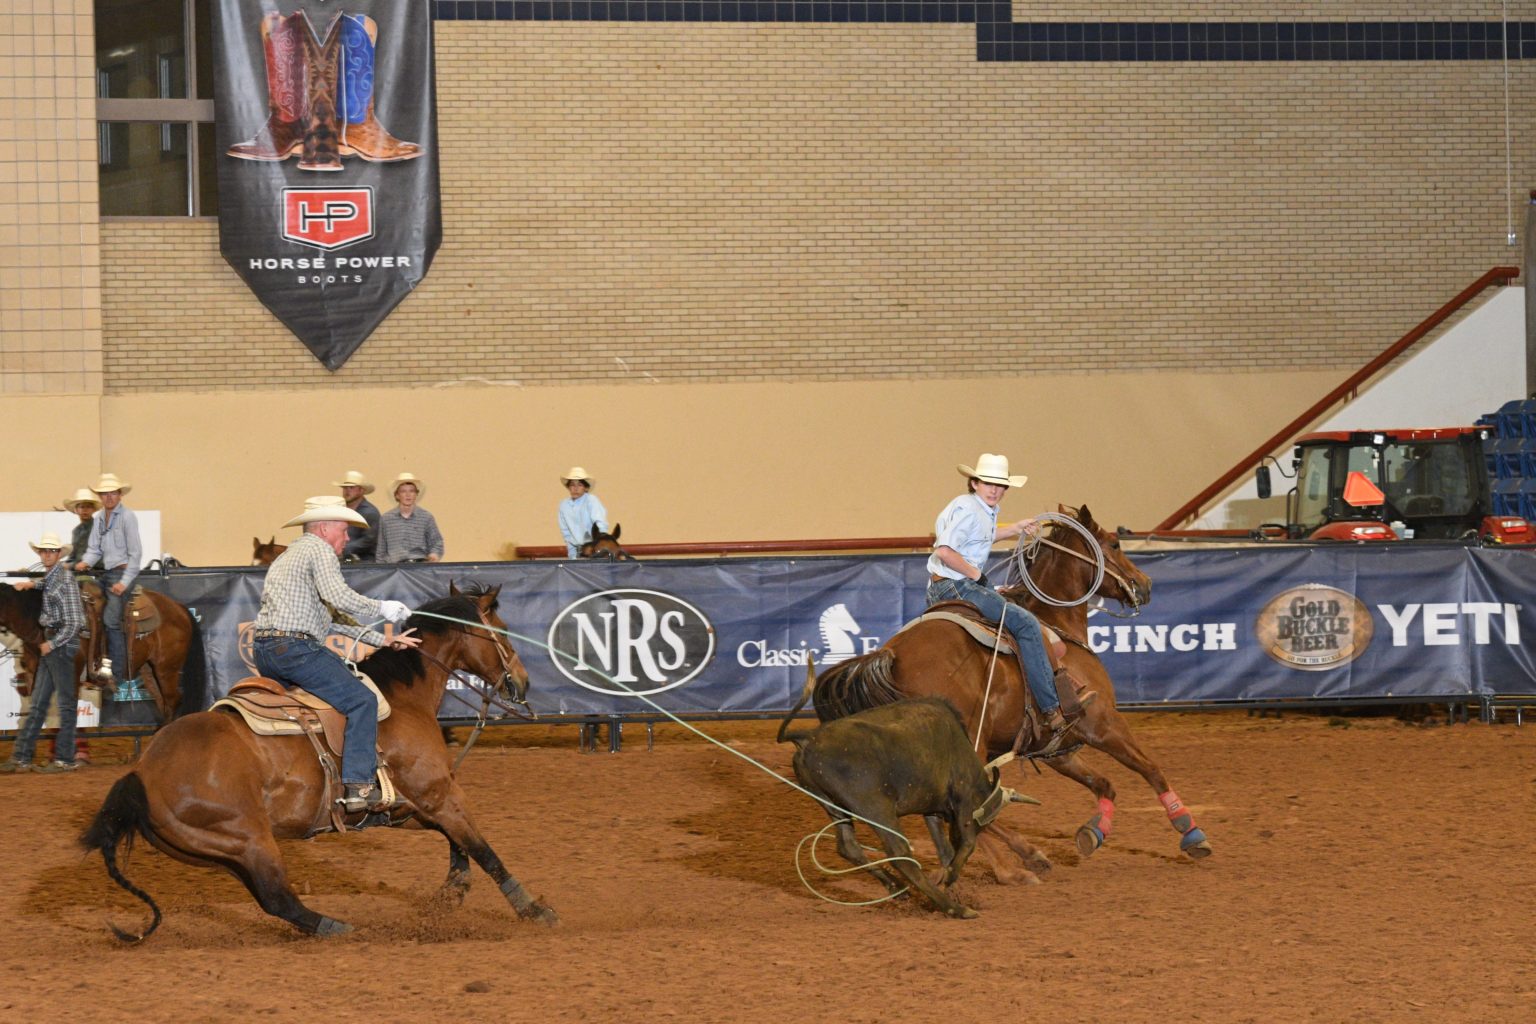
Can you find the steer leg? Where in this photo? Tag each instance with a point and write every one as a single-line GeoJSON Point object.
{"type": "Point", "coordinates": [896, 845]}
{"type": "Point", "coordinates": [963, 830]}
{"type": "Point", "coordinates": [853, 852]}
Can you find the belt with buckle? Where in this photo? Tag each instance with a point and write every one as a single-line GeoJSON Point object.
{"type": "Point", "coordinates": [271, 634]}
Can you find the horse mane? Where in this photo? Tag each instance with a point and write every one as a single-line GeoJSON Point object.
{"type": "Point", "coordinates": [390, 669]}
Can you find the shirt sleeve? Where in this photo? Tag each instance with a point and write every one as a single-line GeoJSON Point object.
{"type": "Point", "coordinates": [599, 514]}
{"type": "Point", "coordinates": [93, 546]}
{"type": "Point", "coordinates": [333, 590]}
{"type": "Point", "coordinates": [135, 549]}
{"type": "Point", "coordinates": [563, 519]}
{"type": "Point", "coordinates": [434, 536]}
{"type": "Point", "coordinates": [381, 549]}
{"type": "Point", "coordinates": [73, 619]}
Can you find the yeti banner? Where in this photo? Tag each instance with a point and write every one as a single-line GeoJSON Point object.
{"type": "Point", "coordinates": [327, 160]}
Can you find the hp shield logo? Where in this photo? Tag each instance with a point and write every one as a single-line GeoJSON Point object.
{"type": "Point", "coordinates": [625, 642]}
{"type": "Point", "coordinates": [328, 218]}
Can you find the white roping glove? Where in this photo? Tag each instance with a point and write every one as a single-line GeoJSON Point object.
{"type": "Point", "coordinates": [394, 611]}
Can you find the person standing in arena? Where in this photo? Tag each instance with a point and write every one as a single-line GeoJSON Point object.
{"type": "Point", "coordinates": [579, 512]}
{"type": "Point", "coordinates": [300, 597]}
{"type": "Point", "coordinates": [114, 544]}
{"type": "Point", "coordinates": [362, 541]}
{"type": "Point", "coordinates": [408, 532]}
{"type": "Point", "coordinates": [963, 537]}
{"type": "Point", "coordinates": [62, 619]}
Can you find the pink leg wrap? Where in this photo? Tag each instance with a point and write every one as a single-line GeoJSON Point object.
{"type": "Point", "coordinates": [1177, 814]}
{"type": "Point", "coordinates": [1106, 816]}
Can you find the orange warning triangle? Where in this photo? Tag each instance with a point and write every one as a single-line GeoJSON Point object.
{"type": "Point", "coordinates": [1360, 492]}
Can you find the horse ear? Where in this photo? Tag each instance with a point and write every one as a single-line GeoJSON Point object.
{"type": "Point", "coordinates": [494, 593]}
{"type": "Point", "coordinates": [616, 529]}
{"type": "Point", "coordinates": [1084, 516]}
{"type": "Point", "coordinates": [255, 542]}
{"type": "Point", "coordinates": [596, 533]}
{"type": "Point", "coordinates": [453, 589]}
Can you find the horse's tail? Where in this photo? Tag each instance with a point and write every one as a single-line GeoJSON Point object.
{"type": "Point", "coordinates": [857, 684]}
{"type": "Point", "coordinates": [125, 811]}
{"type": "Point", "coordinates": [799, 736]}
{"type": "Point", "coordinates": [194, 672]}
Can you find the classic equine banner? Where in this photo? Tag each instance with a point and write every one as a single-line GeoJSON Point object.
{"type": "Point", "coordinates": [1337, 622]}
{"type": "Point", "coordinates": [327, 160]}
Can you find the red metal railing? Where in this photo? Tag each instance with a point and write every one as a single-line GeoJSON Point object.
{"type": "Point", "coordinates": [748, 547]}
{"type": "Point", "coordinates": [1193, 507]}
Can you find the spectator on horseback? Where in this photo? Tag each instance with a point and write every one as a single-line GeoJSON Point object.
{"type": "Point", "coordinates": [579, 512]}
{"type": "Point", "coordinates": [84, 505]}
{"type": "Point", "coordinates": [408, 532]}
{"type": "Point", "coordinates": [963, 537]}
{"type": "Point", "coordinates": [114, 544]}
{"type": "Point", "coordinates": [362, 541]}
{"type": "Point", "coordinates": [303, 594]}
{"type": "Point", "coordinates": [62, 619]}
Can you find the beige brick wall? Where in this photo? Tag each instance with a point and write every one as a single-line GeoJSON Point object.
{"type": "Point", "coordinates": [713, 202]}
{"type": "Point", "coordinates": [50, 284]}
{"type": "Point", "coordinates": [1264, 10]}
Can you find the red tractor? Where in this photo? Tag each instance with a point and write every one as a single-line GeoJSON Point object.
{"type": "Point", "coordinates": [1393, 485]}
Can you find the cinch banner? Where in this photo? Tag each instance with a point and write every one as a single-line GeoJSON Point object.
{"type": "Point", "coordinates": [1335, 622]}
{"type": "Point", "coordinates": [327, 160]}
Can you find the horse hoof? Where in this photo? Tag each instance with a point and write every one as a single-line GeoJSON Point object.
{"type": "Point", "coordinates": [1089, 838]}
{"type": "Point", "coordinates": [1195, 845]}
{"type": "Point", "coordinates": [1038, 862]}
{"type": "Point", "coordinates": [967, 914]}
{"type": "Point", "coordinates": [1020, 877]}
{"type": "Point", "coordinates": [540, 913]}
{"type": "Point", "coordinates": [331, 926]}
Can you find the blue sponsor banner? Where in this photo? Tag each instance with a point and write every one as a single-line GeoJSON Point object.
{"type": "Point", "coordinates": [699, 637]}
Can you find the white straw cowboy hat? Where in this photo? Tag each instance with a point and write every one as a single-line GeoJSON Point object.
{"type": "Point", "coordinates": [992, 469]}
{"type": "Point", "coordinates": [408, 478]}
{"type": "Point", "coordinates": [84, 496]}
{"type": "Point", "coordinates": [47, 542]}
{"type": "Point", "coordinates": [352, 478]}
{"type": "Point", "coordinates": [577, 473]}
{"type": "Point", "coordinates": [110, 482]}
{"type": "Point", "coordinates": [326, 508]}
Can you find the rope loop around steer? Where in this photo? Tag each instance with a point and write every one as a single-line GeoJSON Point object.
{"type": "Point", "coordinates": [1028, 547]}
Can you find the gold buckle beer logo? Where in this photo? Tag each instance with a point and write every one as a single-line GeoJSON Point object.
{"type": "Point", "coordinates": [1314, 628]}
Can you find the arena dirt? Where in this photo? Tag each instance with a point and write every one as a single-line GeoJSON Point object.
{"type": "Point", "coordinates": [1365, 870]}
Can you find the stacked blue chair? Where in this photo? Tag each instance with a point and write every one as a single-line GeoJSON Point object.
{"type": "Point", "coordinates": [1510, 457]}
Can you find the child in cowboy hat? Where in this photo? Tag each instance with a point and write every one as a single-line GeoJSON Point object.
{"type": "Point", "coordinates": [579, 512]}
{"type": "Point", "coordinates": [62, 619]}
{"type": "Point", "coordinates": [963, 537]}
{"type": "Point", "coordinates": [408, 532]}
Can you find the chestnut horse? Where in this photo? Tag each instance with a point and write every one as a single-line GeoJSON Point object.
{"type": "Point", "coordinates": [265, 552]}
{"type": "Point", "coordinates": [604, 546]}
{"type": "Point", "coordinates": [172, 655]}
{"type": "Point", "coordinates": [939, 659]}
{"type": "Point", "coordinates": [210, 792]}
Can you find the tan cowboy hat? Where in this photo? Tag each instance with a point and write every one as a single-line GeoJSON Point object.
{"type": "Point", "coordinates": [992, 469]}
{"type": "Point", "coordinates": [352, 478]}
{"type": "Point", "coordinates": [408, 478]}
{"type": "Point", "coordinates": [577, 473]}
{"type": "Point", "coordinates": [110, 482]}
{"type": "Point", "coordinates": [84, 496]}
{"type": "Point", "coordinates": [326, 508]}
{"type": "Point", "coordinates": [47, 542]}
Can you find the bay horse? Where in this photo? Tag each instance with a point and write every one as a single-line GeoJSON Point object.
{"type": "Point", "coordinates": [940, 659]}
{"type": "Point", "coordinates": [604, 546]}
{"type": "Point", "coordinates": [170, 659]}
{"type": "Point", "coordinates": [266, 552]}
{"type": "Point", "coordinates": [210, 792]}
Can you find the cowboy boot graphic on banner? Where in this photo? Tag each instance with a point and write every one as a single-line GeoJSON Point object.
{"type": "Point", "coordinates": [321, 95]}
{"type": "Point", "coordinates": [284, 48]}
{"type": "Point", "coordinates": [361, 133]}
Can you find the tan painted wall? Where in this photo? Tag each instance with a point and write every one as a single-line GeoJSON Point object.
{"type": "Point", "coordinates": [679, 463]}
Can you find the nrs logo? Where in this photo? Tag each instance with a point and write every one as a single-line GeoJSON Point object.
{"type": "Point", "coordinates": [328, 218]}
{"type": "Point", "coordinates": [625, 642]}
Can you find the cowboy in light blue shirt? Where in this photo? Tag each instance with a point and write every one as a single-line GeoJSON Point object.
{"type": "Point", "coordinates": [963, 536]}
{"type": "Point", "coordinates": [114, 545]}
{"type": "Point", "coordinates": [580, 512]}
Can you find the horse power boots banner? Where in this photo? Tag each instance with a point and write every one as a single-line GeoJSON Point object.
{"type": "Point", "coordinates": [327, 160]}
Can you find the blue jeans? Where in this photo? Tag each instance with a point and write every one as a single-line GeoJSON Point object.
{"type": "Point", "coordinates": [113, 606]}
{"type": "Point", "coordinates": [295, 661]}
{"type": "Point", "coordinates": [55, 675]}
{"type": "Point", "coordinates": [1018, 620]}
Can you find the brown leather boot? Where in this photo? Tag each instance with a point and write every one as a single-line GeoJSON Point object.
{"type": "Point", "coordinates": [1060, 728]}
{"type": "Point", "coordinates": [320, 149]}
{"type": "Point", "coordinates": [362, 796]}
{"type": "Point", "coordinates": [361, 133]}
{"type": "Point", "coordinates": [283, 133]}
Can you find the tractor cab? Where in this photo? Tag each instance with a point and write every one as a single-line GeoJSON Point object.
{"type": "Point", "coordinates": [1396, 485]}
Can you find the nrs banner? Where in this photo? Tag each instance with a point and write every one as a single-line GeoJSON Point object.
{"type": "Point", "coordinates": [327, 160]}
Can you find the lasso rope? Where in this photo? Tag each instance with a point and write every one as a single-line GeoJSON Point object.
{"type": "Point", "coordinates": [849, 815]}
{"type": "Point", "coordinates": [1027, 547]}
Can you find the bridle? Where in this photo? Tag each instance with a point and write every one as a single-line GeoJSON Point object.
{"type": "Point", "coordinates": [505, 693]}
{"type": "Point", "coordinates": [1128, 588]}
